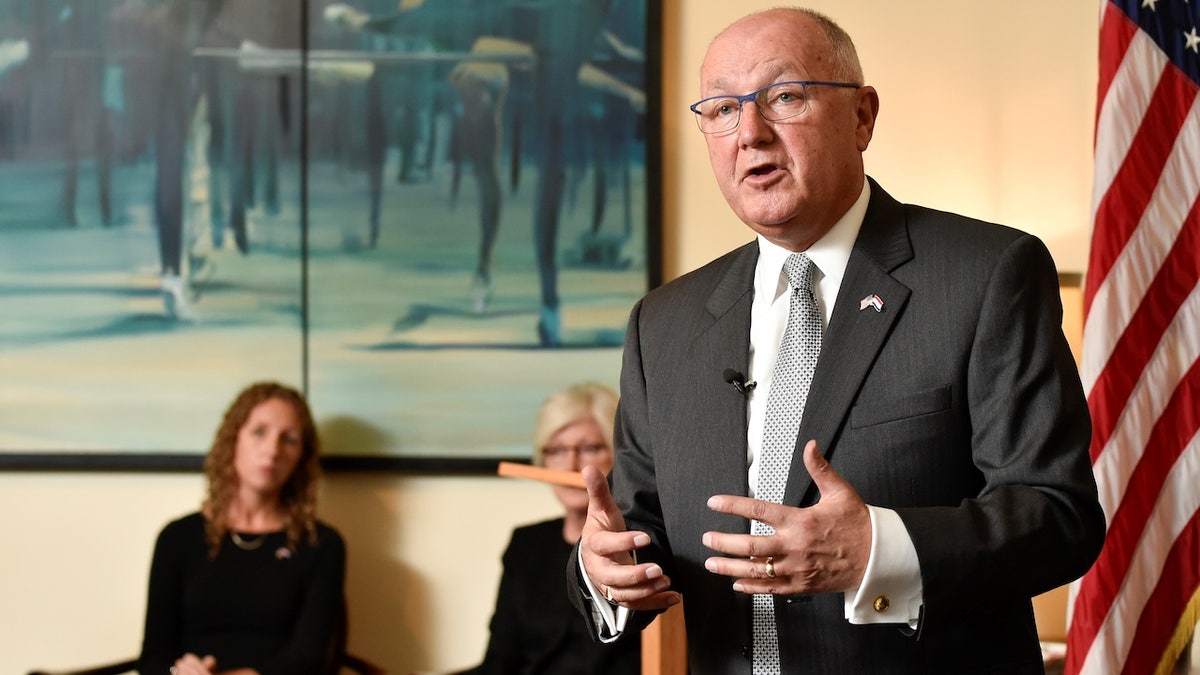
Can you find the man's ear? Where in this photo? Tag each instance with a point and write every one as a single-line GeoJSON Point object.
{"type": "Point", "coordinates": [867, 110]}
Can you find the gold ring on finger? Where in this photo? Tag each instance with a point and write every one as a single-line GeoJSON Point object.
{"type": "Point", "coordinates": [770, 567]}
{"type": "Point", "coordinates": [608, 594]}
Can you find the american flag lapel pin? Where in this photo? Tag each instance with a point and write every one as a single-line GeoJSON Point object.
{"type": "Point", "coordinates": [871, 301]}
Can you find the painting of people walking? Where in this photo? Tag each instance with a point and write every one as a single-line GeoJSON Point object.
{"type": "Point", "coordinates": [427, 214]}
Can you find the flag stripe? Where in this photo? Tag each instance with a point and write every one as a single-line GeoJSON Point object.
{"type": "Point", "coordinates": [1181, 345]}
{"type": "Point", "coordinates": [1125, 283]}
{"type": "Point", "coordinates": [1132, 187]}
{"type": "Point", "coordinates": [1120, 112]}
{"type": "Point", "coordinates": [1178, 502]}
{"type": "Point", "coordinates": [1121, 295]}
{"type": "Point", "coordinates": [1176, 277]}
{"type": "Point", "coordinates": [1169, 600]}
{"type": "Point", "coordinates": [1166, 444]}
{"type": "Point", "coordinates": [1116, 32]}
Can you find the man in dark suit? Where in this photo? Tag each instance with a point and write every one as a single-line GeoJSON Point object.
{"type": "Point", "coordinates": [940, 477]}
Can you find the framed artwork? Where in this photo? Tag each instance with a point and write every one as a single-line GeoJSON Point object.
{"type": "Point", "coordinates": [426, 214]}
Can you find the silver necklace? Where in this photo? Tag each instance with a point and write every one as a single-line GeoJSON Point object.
{"type": "Point", "coordinates": [247, 544]}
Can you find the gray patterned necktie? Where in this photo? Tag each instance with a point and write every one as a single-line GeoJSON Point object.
{"type": "Point", "coordinates": [785, 406]}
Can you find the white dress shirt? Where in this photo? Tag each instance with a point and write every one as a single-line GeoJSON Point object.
{"type": "Point", "coordinates": [892, 569]}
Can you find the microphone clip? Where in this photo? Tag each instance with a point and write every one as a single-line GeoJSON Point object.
{"type": "Point", "coordinates": [739, 382]}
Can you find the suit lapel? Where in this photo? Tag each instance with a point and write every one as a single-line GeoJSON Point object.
{"type": "Point", "coordinates": [856, 333]}
{"type": "Point", "coordinates": [717, 346]}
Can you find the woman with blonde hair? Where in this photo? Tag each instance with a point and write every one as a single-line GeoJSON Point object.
{"type": "Point", "coordinates": [253, 582]}
{"type": "Point", "coordinates": [534, 630]}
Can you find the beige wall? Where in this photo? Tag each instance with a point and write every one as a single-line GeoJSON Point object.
{"type": "Point", "coordinates": [423, 561]}
{"type": "Point", "coordinates": [986, 109]}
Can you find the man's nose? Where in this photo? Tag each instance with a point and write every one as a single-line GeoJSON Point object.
{"type": "Point", "coordinates": [751, 124]}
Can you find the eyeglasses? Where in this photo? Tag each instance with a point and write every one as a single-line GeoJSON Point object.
{"type": "Point", "coordinates": [587, 452]}
{"type": "Point", "coordinates": [775, 102]}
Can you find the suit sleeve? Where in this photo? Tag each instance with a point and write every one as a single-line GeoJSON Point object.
{"type": "Point", "coordinates": [1036, 523]}
{"type": "Point", "coordinates": [632, 478]}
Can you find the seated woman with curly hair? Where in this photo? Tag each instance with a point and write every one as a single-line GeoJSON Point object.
{"type": "Point", "coordinates": [253, 582]}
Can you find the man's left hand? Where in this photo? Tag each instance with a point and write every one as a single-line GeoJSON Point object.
{"type": "Point", "coordinates": [821, 548]}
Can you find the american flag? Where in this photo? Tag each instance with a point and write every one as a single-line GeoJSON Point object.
{"type": "Point", "coordinates": [1136, 609]}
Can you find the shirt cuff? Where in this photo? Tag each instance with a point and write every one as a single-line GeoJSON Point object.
{"type": "Point", "coordinates": [609, 619]}
{"type": "Point", "coordinates": [891, 590]}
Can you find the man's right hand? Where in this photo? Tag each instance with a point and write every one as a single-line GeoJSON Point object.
{"type": "Point", "coordinates": [606, 550]}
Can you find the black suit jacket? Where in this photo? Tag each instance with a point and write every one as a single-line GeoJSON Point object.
{"type": "Point", "coordinates": [958, 405]}
{"type": "Point", "coordinates": [534, 630]}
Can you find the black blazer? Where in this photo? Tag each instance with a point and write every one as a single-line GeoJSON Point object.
{"type": "Point", "coordinates": [958, 405]}
{"type": "Point", "coordinates": [534, 630]}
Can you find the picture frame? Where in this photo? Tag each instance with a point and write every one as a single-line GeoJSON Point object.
{"type": "Point", "coordinates": [428, 216]}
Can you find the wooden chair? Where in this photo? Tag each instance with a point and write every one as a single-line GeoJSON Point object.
{"type": "Point", "coordinates": [664, 644]}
